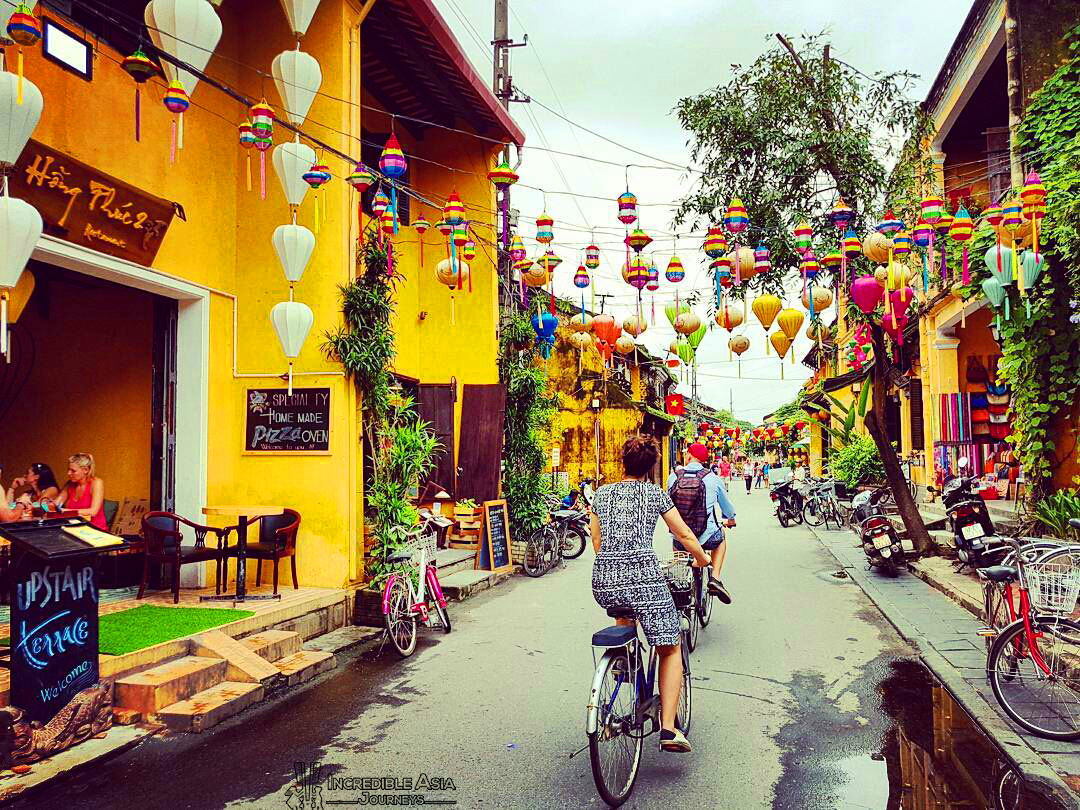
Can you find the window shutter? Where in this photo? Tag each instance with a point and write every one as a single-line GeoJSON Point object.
{"type": "Point", "coordinates": [915, 389]}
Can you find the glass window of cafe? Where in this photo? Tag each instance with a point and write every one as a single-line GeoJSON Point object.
{"type": "Point", "coordinates": [90, 370]}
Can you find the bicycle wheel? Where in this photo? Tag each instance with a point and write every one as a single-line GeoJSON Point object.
{"type": "Point", "coordinates": [682, 712]}
{"type": "Point", "coordinates": [400, 620]}
{"type": "Point", "coordinates": [689, 614]}
{"type": "Point", "coordinates": [1046, 703]}
{"type": "Point", "coordinates": [705, 599]}
{"type": "Point", "coordinates": [615, 746]}
{"type": "Point", "coordinates": [573, 543]}
{"type": "Point", "coordinates": [552, 547]}
{"type": "Point", "coordinates": [533, 562]}
{"type": "Point", "coordinates": [812, 513]}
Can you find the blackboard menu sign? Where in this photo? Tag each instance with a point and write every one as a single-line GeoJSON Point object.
{"type": "Point", "coordinates": [493, 552]}
{"type": "Point", "coordinates": [280, 422]}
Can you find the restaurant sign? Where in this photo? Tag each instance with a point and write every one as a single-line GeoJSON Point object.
{"type": "Point", "coordinates": [281, 422]}
{"type": "Point", "coordinates": [84, 206]}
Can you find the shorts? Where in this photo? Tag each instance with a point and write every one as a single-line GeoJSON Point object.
{"type": "Point", "coordinates": [711, 544]}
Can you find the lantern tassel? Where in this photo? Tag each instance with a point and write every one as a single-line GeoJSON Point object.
{"type": "Point", "coordinates": [316, 213]}
{"type": "Point", "coordinates": [930, 251]}
{"type": "Point", "coordinates": [137, 110]}
{"type": "Point", "coordinates": [393, 202]}
{"type": "Point", "coordinates": [262, 175]}
{"type": "Point", "coordinates": [965, 277]}
{"type": "Point", "coordinates": [172, 144]}
{"type": "Point", "coordinates": [20, 90]}
{"type": "Point", "coordinates": [360, 216]}
{"type": "Point", "coordinates": [248, 172]}
{"type": "Point", "coordinates": [180, 132]}
{"type": "Point", "coordinates": [740, 368]}
{"type": "Point", "coordinates": [925, 279]}
{"type": "Point", "coordinates": [290, 377]}
{"type": "Point", "coordinates": [3, 323]}
{"type": "Point", "coordinates": [453, 318]}
{"type": "Point", "coordinates": [389, 259]}
{"type": "Point", "coordinates": [781, 368]}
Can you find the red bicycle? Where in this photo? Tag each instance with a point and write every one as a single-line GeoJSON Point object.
{"type": "Point", "coordinates": [1033, 663]}
{"type": "Point", "coordinates": [406, 595]}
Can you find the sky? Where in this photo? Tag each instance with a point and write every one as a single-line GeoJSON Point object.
{"type": "Point", "coordinates": [619, 69]}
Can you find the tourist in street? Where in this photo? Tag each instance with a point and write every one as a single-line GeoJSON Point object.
{"type": "Point", "coordinates": [748, 474]}
{"type": "Point", "coordinates": [766, 468]}
{"type": "Point", "coordinates": [757, 474]}
{"type": "Point", "coordinates": [725, 469]}
{"type": "Point", "coordinates": [698, 494]}
{"type": "Point", "coordinates": [627, 573]}
{"type": "Point", "coordinates": [39, 482]}
{"type": "Point", "coordinates": [85, 492]}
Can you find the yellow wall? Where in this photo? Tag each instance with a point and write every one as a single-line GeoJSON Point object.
{"type": "Point", "coordinates": [89, 389]}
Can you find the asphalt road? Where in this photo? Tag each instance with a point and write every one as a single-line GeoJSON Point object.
{"type": "Point", "coordinates": [787, 709]}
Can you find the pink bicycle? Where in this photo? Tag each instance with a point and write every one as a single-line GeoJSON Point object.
{"type": "Point", "coordinates": [407, 593]}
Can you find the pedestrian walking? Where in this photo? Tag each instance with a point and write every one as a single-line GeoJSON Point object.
{"type": "Point", "coordinates": [757, 475]}
{"type": "Point", "coordinates": [748, 475]}
{"type": "Point", "coordinates": [627, 573]}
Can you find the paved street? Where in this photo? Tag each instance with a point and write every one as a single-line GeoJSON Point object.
{"type": "Point", "coordinates": [786, 707]}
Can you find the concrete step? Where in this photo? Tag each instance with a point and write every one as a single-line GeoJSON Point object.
{"type": "Point", "coordinates": [464, 584]}
{"type": "Point", "coordinates": [242, 663]}
{"type": "Point", "coordinates": [451, 560]}
{"type": "Point", "coordinates": [272, 645]}
{"type": "Point", "coordinates": [152, 689]}
{"type": "Point", "coordinates": [304, 665]}
{"type": "Point", "coordinates": [210, 706]}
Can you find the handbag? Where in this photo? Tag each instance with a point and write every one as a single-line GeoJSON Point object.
{"type": "Point", "coordinates": [976, 371]}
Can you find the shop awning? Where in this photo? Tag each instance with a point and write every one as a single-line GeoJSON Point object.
{"type": "Point", "coordinates": [844, 380]}
{"type": "Point", "coordinates": [414, 66]}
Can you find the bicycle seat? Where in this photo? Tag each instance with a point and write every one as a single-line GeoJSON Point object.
{"type": "Point", "coordinates": [399, 557]}
{"type": "Point", "coordinates": [614, 636]}
{"type": "Point", "coordinates": [564, 514]}
{"type": "Point", "coordinates": [1074, 522]}
{"type": "Point", "coordinates": [998, 573]}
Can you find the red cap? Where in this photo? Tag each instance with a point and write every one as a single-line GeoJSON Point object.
{"type": "Point", "coordinates": [698, 451]}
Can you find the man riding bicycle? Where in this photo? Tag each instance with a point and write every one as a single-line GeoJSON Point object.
{"type": "Point", "coordinates": [696, 493]}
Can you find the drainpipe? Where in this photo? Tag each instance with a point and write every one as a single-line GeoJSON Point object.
{"type": "Point", "coordinates": [1015, 91]}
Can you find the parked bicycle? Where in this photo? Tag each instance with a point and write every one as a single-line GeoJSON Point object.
{"type": "Point", "coordinates": [407, 593]}
{"type": "Point", "coordinates": [624, 698]}
{"type": "Point", "coordinates": [822, 506]}
{"type": "Point", "coordinates": [1034, 661]}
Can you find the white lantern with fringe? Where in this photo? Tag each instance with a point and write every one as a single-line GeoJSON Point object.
{"type": "Point", "coordinates": [20, 229]}
{"type": "Point", "coordinates": [294, 245]}
{"type": "Point", "coordinates": [17, 120]}
{"type": "Point", "coordinates": [299, 13]}
{"type": "Point", "coordinates": [292, 321]}
{"type": "Point", "coordinates": [188, 30]}
{"type": "Point", "coordinates": [291, 161]}
{"type": "Point", "coordinates": [298, 78]}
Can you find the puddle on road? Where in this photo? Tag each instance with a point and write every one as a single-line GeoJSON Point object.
{"type": "Point", "coordinates": [933, 755]}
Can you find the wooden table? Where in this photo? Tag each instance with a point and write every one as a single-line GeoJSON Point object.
{"type": "Point", "coordinates": [243, 515]}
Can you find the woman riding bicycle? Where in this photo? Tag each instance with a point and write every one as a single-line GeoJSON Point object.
{"type": "Point", "coordinates": [627, 573]}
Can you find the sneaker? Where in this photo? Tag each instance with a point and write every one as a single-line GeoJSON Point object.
{"type": "Point", "coordinates": [717, 589]}
{"type": "Point", "coordinates": [674, 742]}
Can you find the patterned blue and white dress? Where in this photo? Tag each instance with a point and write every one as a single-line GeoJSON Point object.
{"type": "Point", "coordinates": [626, 573]}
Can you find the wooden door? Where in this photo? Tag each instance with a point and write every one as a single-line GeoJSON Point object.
{"type": "Point", "coordinates": [435, 404]}
{"type": "Point", "coordinates": [482, 411]}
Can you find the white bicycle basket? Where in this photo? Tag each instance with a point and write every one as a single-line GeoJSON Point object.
{"type": "Point", "coordinates": [677, 571]}
{"type": "Point", "coordinates": [1053, 586]}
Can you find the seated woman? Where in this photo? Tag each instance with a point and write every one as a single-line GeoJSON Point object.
{"type": "Point", "coordinates": [85, 492]}
{"type": "Point", "coordinates": [626, 573]}
{"type": "Point", "coordinates": [39, 481]}
{"type": "Point", "coordinates": [11, 510]}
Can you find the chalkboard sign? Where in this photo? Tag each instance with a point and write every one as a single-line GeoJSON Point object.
{"type": "Point", "coordinates": [493, 552]}
{"type": "Point", "coordinates": [280, 422]}
{"type": "Point", "coordinates": [54, 633]}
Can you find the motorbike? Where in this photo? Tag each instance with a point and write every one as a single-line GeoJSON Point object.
{"type": "Point", "coordinates": [878, 537]}
{"type": "Point", "coordinates": [973, 532]}
{"type": "Point", "coordinates": [789, 503]}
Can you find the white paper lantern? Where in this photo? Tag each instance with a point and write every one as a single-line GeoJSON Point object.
{"type": "Point", "coordinates": [298, 78]}
{"type": "Point", "coordinates": [186, 29]}
{"type": "Point", "coordinates": [291, 161]}
{"type": "Point", "coordinates": [293, 245]}
{"type": "Point", "coordinates": [292, 322]}
{"type": "Point", "coordinates": [299, 13]}
{"type": "Point", "coordinates": [17, 121]}
{"type": "Point", "coordinates": [20, 229]}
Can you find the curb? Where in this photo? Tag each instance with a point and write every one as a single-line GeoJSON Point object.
{"type": "Point", "coordinates": [1043, 779]}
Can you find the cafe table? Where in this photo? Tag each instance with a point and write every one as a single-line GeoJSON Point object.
{"type": "Point", "coordinates": [243, 514]}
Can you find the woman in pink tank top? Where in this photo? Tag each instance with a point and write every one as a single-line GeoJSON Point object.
{"type": "Point", "coordinates": [85, 492]}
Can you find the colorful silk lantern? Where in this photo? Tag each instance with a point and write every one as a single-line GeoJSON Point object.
{"type": "Point", "coordinates": [932, 209]}
{"type": "Point", "coordinates": [592, 257]}
{"type": "Point", "coordinates": [735, 218]}
{"type": "Point", "coordinates": [545, 234]}
{"type": "Point", "coordinates": [852, 246]}
{"type": "Point", "coordinates": [420, 225]}
{"type": "Point", "coordinates": [889, 224]}
{"type": "Point", "coordinates": [901, 244]}
{"type": "Point", "coordinates": [1031, 267]}
{"type": "Point", "coordinates": [790, 322]}
{"type": "Point", "coordinates": [635, 325]}
{"type": "Point", "coordinates": [638, 240]}
{"type": "Point", "coordinates": [762, 261]}
{"type": "Point", "coordinates": [544, 324]}
{"type": "Point", "coordinates": [468, 250]}
{"type": "Point", "coordinates": [454, 210]}
{"type": "Point", "coordinates": [867, 293]}
{"type": "Point", "coordinates": [581, 277]}
{"type": "Point", "coordinates": [627, 208]}
{"type": "Point", "coordinates": [804, 236]}
{"type": "Point", "coordinates": [141, 69]}
{"type": "Point", "coordinates": [840, 215]}
{"type": "Point", "coordinates": [728, 317]}
{"type": "Point", "coordinates": [715, 242]}
{"type": "Point", "coordinates": [392, 164]}
{"type": "Point", "coordinates": [502, 177]}
{"type": "Point", "coordinates": [765, 309]}
{"type": "Point", "coordinates": [999, 260]}
{"type": "Point", "coordinates": [24, 30]}
{"type": "Point", "coordinates": [380, 202]}
{"type": "Point", "coordinates": [781, 343]}
{"type": "Point", "coordinates": [517, 249]}
{"type": "Point", "coordinates": [247, 142]}
{"type": "Point", "coordinates": [675, 271]}
{"type": "Point", "coordinates": [1033, 204]}
{"type": "Point", "coordinates": [961, 230]}
{"type": "Point", "coordinates": [654, 279]}
{"type": "Point", "coordinates": [637, 273]}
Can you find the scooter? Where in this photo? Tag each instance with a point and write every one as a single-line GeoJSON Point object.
{"type": "Point", "coordinates": [878, 536]}
{"type": "Point", "coordinates": [789, 503]}
{"type": "Point", "coordinates": [973, 532]}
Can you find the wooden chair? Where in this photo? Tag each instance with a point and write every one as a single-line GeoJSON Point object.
{"type": "Point", "coordinates": [164, 544]}
{"type": "Point", "coordinates": [277, 539]}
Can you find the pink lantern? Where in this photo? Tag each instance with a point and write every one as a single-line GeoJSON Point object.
{"type": "Point", "coordinates": [894, 326]}
{"type": "Point", "coordinates": [900, 300]}
{"type": "Point", "coordinates": [867, 293]}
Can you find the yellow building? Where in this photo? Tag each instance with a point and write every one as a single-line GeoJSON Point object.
{"type": "Point", "coordinates": [598, 410]}
{"type": "Point", "coordinates": [152, 347]}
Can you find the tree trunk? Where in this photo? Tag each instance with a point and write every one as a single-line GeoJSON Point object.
{"type": "Point", "coordinates": [894, 475]}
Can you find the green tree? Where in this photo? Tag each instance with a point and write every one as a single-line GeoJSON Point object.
{"type": "Point", "coordinates": [790, 134]}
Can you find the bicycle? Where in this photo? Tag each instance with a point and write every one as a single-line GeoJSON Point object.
{"type": "Point", "coordinates": [543, 551]}
{"type": "Point", "coordinates": [1034, 661]}
{"type": "Point", "coordinates": [624, 697]}
{"type": "Point", "coordinates": [404, 603]}
{"type": "Point", "coordinates": [822, 506]}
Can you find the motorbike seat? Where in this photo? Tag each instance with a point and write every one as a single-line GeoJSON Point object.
{"type": "Point", "coordinates": [999, 573]}
{"type": "Point", "coordinates": [614, 636]}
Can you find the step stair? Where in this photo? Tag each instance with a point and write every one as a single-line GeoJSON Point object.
{"type": "Point", "coordinates": [211, 706]}
{"type": "Point", "coordinates": [151, 690]}
{"type": "Point", "coordinates": [451, 560]}
{"type": "Point", "coordinates": [242, 664]}
{"type": "Point", "coordinates": [464, 584]}
{"type": "Point", "coordinates": [273, 644]}
{"type": "Point", "coordinates": [304, 665]}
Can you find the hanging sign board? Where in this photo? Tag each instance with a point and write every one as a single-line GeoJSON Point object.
{"type": "Point", "coordinates": [84, 206]}
{"type": "Point", "coordinates": [493, 551]}
{"type": "Point", "coordinates": [277, 422]}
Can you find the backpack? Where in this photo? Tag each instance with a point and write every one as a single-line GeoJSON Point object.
{"type": "Point", "coordinates": [688, 495]}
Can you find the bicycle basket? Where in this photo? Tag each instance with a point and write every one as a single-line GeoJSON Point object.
{"type": "Point", "coordinates": [425, 542]}
{"type": "Point", "coordinates": [677, 571]}
{"type": "Point", "coordinates": [1053, 586]}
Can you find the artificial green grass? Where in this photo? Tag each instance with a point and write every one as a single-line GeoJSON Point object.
{"type": "Point", "coordinates": [138, 628]}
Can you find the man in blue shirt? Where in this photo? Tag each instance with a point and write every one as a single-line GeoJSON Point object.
{"type": "Point", "coordinates": [712, 539]}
